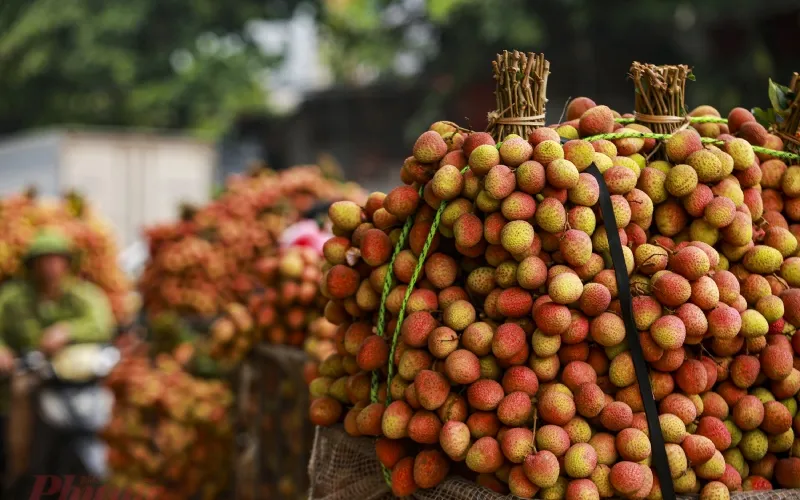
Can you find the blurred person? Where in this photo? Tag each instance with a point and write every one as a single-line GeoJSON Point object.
{"type": "Point", "coordinates": [46, 310]}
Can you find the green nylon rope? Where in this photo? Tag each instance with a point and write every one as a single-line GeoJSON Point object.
{"type": "Point", "coordinates": [693, 119]}
{"type": "Point", "coordinates": [784, 155]}
{"type": "Point", "coordinates": [387, 286]}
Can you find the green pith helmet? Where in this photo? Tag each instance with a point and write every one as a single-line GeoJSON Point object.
{"type": "Point", "coordinates": [49, 242]}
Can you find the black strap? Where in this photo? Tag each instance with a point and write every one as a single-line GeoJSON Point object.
{"type": "Point", "coordinates": [626, 306]}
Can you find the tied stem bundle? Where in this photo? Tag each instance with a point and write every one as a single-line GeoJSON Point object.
{"type": "Point", "coordinates": [660, 92]}
{"type": "Point", "coordinates": [521, 92]}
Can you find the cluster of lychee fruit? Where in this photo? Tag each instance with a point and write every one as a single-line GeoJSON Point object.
{"type": "Point", "coordinates": [22, 215]}
{"type": "Point", "coordinates": [170, 435]}
{"type": "Point", "coordinates": [512, 366]}
{"type": "Point", "coordinates": [289, 300]}
{"type": "Point", "coordinates": [208, 258]}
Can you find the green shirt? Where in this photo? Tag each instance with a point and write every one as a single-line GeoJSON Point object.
{"type": "Point", "coordinates": [83, 308]}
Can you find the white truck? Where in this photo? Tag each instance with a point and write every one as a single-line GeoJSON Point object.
{"type": "Point", "coordinates": [133, 178]}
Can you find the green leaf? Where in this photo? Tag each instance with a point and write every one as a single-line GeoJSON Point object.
{"type": "Point", "coordinates": [766, 117]}
{"type": "Point", "coordinates": [778, 96]}
{"type": "Point", "coordinates": [691, 77]}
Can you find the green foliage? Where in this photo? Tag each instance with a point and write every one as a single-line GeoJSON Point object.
{"type": "Point", "coordinates": [114, 63]}
{"type": "Point", "coordinates": [781, 98]}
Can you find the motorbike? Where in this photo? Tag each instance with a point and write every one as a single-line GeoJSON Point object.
{"type": "Point", "coordinates": [71, 407]}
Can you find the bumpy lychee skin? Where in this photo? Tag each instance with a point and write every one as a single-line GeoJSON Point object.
{"type": "Point", "coordinates": [671, 289]}
{"type": "Point", "coordinates": [499, 182]}
{"type": "Point", "coordinates": [548, 151]}
{"type": "Point", "coordinates": [742, 153]}
{"type": "Point", "coordinates": [515, 150]}
{"type": "Point", "coordinates": [551, 215]}
{"type": "Point", "coordinates": [627, 477]}
{"type": "Point", "coordinates": [580, 461]}
{"type": "Point", "coordinates": [517, 236]}
{"type": "Point", "coordinates": [683, 143]}
{"type": "Point", "coordinates": [556, 408]}
{"type": "Point", "coordinates": [578, 106]}
{"type": "Point", "coordinates": [448, 182]}
{"type": "Point", "coordinates": [762, 259]}
{"type": "Point", "coordinates": [542, 468]}
{"type": "Point", "coordinates": [715, 490]}
{"type": "Point", "coordinates": [669, 332]}
{"type": "Point", "coordinates": [633, 445]}
{"type": "Point", "coordinates": [483, 159]}
{"type": "Point", "coordinates": [596, 120]}
{"type": "Point", "coordinates": [565, 288]}
{"type": "Point", "coordinates": [485, 455]}
{"type": "Point", "coordinates": [681, 180]}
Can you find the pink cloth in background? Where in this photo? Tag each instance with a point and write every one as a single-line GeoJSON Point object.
{"type": "Point", "coordinates": [306, 233]}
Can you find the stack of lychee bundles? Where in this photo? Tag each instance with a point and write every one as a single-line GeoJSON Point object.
{"type": "Point", "coordinates": [507, 360]}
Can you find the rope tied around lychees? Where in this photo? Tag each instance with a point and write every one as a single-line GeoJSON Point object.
{"type": "Point", "coordinates": [693, 119]}
{"type": "Point", "coordinates": [387, 286]}
{"type": "Point", "coordinates": [784, 155]}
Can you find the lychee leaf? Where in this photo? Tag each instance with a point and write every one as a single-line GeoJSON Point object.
{"type": "Point", "coordinates": [779, 96]}
{"type": "Point", "coordinates": [765, 117]}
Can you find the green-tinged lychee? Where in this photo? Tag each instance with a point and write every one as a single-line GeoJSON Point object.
{"type": "Point", "coordinates": [715, 490]}
{"type": "Point", "coordinates": [515, 150]}
{"type": "Point", "coordinates": [754, 445]}
{"type": "Point", "coordinates": [633, 445]}
{"type": "Point", "coordinates": [517, 236]}
{"type": "Point", "coordinates": [551, 215]}
{"type": "Point", "coordinates": [485, 456]}
{"type": "Point", "coordinates": [682, 144]}
{"type": "Point", "coordinates": [681, 180]}
{"type": "Point", "coordinates": [483, 158]}
{"type": "Point", "coordinates": [562, 174]}
{"type": "Point", "coordinates": [742, 153]}
{"type": "Point", "coordinates": [430, 147]}
{"type": "Point", "coordinates": [753, 324]}
{"type": "Point", "coordinates": [763, 259]}
{"type": "Point", "coordinates": [580, 153]}
{"type": "Point", "coordinates": [548, 151]}
{"type": "Point", "coordinates": [580, 460]}
{"type": "Point", "coordinates": [542, 468]}
{"type": "Point", "coordinates": [531, 177]}
{"type": "Point", "coordinates": [448, 182]}
{"type": "Point", "coordinates": [345, 215]}
{"type": "Point", "coordinates": [719, 212]}
{"type": "Point", "coordinates": [459, 315]}
{"type": "Point", "coordinates": [531, 273]}
{"type": "Point", "coordinates": [565, 288]}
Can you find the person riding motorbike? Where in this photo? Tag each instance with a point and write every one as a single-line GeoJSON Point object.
{"type": "Point", "coordinates": [47, 310]}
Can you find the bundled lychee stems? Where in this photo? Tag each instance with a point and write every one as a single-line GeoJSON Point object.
{"type": "Point", "coordinates": [660, 92]}
{"type": "Point", "coordinates": [789, 128]}
{"type": "Point", "coordinates": [521, 92]}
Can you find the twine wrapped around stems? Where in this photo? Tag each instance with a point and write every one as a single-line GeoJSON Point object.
{"type": "Point", "coordinates": [660, 92]}
{"type": "Point", "coordinates": [521, 92]}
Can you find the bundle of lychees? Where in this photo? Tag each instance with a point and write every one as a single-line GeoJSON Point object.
{"type": "Point", "coordinates": [21, 216]}
{"type": "Point", "coordinates": [209, 258]}
{"type": "Point", "coordinates": [171, 434]}
{"type": "Point", "coordinates": [511, 364]}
